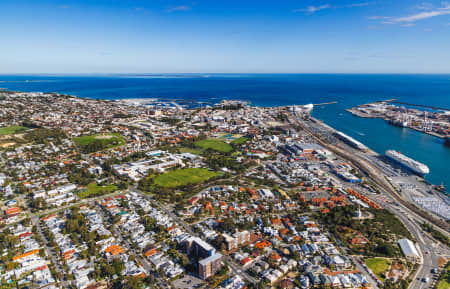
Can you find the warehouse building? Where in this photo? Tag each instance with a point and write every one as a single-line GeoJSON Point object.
{"type": "Point", "coordinates": [409, 250]}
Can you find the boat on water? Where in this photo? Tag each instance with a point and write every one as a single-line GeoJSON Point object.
{"type": "Point", "coordinates": [441, 188]}
{"type": "Point", "coordinates": [412, 165]}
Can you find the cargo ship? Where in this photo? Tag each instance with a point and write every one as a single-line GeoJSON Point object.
{"type": "Point", "coordinates": [410, 164]}
{"type": "Point", "coordinates": [351, 141]}
{"type": "Point", "coordinates": [398, 122]}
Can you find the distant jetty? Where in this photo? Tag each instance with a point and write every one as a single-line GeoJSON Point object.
{"type": "Point", "coordinates": [325, 103]}
{"type": "Point", "coordinates": [418, 105]}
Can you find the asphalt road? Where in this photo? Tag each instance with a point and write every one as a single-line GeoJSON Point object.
{"type": "Point", "coordinates": [429, 249]}
{"type": "Point", "coordinates": [49, 251]}
{"type": "Point", "coordinates": [366, 273]}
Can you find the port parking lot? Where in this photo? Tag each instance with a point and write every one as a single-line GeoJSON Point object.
{"type": "Point", "coordinates": [421, 194]}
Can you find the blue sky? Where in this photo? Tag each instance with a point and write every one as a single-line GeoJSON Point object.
{"type": "Point", "coordinates": [159, 36]}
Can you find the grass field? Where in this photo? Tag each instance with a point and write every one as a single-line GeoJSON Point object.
{"type": "Point", "coordinates": [88, 139]}
{"type": "Point", "coordinates": [239, 141]}
{"type": "Point", "coordinates": [181, 177]}
{"type": "Point", "coordinates": [444, 282]}
{"type": "Point", "coordinates": [191, 150]}
{"type": "Point", "coordinates": [92, 143]}
{"type": "Point", "coordinates": [378, 266]}
{"type": "Point", "coordinates": [214, 144]}
{"type": "Point", "coordinates": [11, 129]}
{"type": "Point", "coordinates": [94, 190]}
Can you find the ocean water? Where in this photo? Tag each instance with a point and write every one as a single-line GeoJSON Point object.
{"type": "Point", "coordinates": [282, 89]}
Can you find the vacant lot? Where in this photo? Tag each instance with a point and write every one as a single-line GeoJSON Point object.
{"type": "Point", "coordinates": [11, 129]}
{"type": "Point", "coordinates": [378, 266]}
{"type": "Point", "coordinates": [93, 143]}
{"type": "Point", "coordinates": [183, 177]}
{"type": "Point", "coordinates": [214, 144]}
{"type": "Point", "coordinates": [94, 190]}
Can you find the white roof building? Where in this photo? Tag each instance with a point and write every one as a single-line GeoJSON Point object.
{"type": "Point", "coordinates": [408, 249]}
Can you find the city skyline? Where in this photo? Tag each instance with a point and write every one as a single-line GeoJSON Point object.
{"type": "Point", "coordinates": [233, 37]}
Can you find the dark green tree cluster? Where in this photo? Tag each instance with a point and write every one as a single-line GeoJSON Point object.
{"type": "Point", "coordinates": [76, 226]}
{"type": "Point", "coordinates": [39, 204]}
{"type": "Point", "coordinates": [170, 120]}
{"type": "Point", "coordinates": [122, 115]}
{"type": "Point", "coordinates": [29, 124]}
{"type": "Point", "coordinates": [217, 161]}
{"type": "Point", "coordinates": [44, 135]}
{"type": "Point", "coordinates": [98, 145]}
{"type": "Point", "coordinates": [378, 230]}
{"type": "Point", "coordinates": [436, 234]}
{"type": "Point", "coordinates": [106, 269]}
{"type": "Point", "coordinates": [79, 175]}
{"type": "Point", "coordinates": [8, 242]}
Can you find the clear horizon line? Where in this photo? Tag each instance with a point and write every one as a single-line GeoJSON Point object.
{"type": "Point", "coordinates": [217, 73]}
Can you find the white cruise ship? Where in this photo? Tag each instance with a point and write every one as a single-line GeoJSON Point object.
{"type": "Point", "coordinates": [307, 108]}
{"type": "Point", "coordinates": [407, 162]}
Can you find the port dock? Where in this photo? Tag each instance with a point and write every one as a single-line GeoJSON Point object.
{"type": "Point", "coordinates": [434, 123]}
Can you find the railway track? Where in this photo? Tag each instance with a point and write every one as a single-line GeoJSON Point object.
{"type": "Point", "coordinates": [378, 178]}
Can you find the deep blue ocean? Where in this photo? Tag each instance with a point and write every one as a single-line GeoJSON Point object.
{"type": "Point", "coordinates": [282, 89]}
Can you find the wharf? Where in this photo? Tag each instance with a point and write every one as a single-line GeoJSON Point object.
{"type": "Point", "coordinates": [427, 132]}
{"type": "Point", "coordinates": [365, 114]}
{"type": "Point", "coordinates": [361, 114]}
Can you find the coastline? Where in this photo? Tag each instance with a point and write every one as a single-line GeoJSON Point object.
{"type": "Point", "coordinates": [316, 136]}
{"type": "Point", "coordinates": [149, 101]}
{"type": "Point", "coordinates": [281, 90]}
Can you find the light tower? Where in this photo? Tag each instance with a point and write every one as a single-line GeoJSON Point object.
{"type": "Point", "coordinates": [358, 213]}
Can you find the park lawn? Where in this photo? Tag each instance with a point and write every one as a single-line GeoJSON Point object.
{"type": "Point", "coordinates": [11, 129]}
{"type": "Point", "coordinates": [88, 139]}
{"type": "Point", "coordinates": [93, 143]}
{"type": "Point", "coordinates": [378, 266]}
{"type": "Point", "coordinates": [181, 177]}
{"type": "Point", "coordinates": [444, 282]}
{"type": "Point", "coordinates": [94, 190]}
{"type": "Point", "coordinates": [191, 150]}
{"type": "Point", "coordinates": [239, 140]}
{"type": "Point", "coordinates": [214, 144]}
